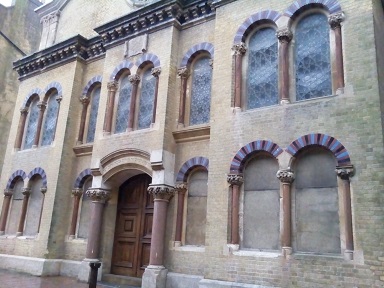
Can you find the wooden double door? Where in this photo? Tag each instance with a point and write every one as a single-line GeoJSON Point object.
{"type": "Point", "coordinates": [133, 230]}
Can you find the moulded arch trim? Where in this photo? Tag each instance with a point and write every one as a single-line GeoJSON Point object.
{"type": "Point", "coordinates": [83, 176]}
{"type": "Point", "coordinates": [241, 33]}
{"type": "Point", "coordinates": [339, 151]}
{"type": "Point", "coordinates": [28, 99]}
{"type": "Point", "coordinates": [242, 155]}
{"type": "Point", "coordinates": [196, 49]}
{"type": "Point", "coordinates": [123, 65]}
{"type": "Point", "coordinates": [188, 166]}
{"type": "Point", "coordinates": [51, 86]}
{"type": "Point", "coordinates": [12, 180]}
{"type": "Point", "coordinates": [332, 6]}
{"type": "Point", "coordinates": [148, 57]}
{"type": "Point", "coordinates": [91, 83]}
{"type": "Point", "coordinates": [39, 171]}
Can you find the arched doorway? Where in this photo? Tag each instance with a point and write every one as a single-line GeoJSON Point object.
{"type": "Point", "coordinates": [133, 230]}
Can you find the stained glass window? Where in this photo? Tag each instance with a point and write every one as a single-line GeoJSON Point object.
{"type": "Point", "coordinates": [262, 80]}
{"type": "Point", "coordinates": [93, 114]}
{"type": "Point", "coordinates": [32, 125]}
{"type": "Point", "coordinates": [50, 120]}
{"type": "Point", "coordinates": [122, 112]}
{"type": "Point", "coordinates": [148, 83]}
{"type": "Point", "coordinates": [201, 91]}
{"type": "Point", "coordinates": [313, 68]}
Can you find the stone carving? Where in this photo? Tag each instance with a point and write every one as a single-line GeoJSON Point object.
{"type": "Point", "coordinates": [42, 105]}
{"type": "Point", "coordinates": [26, 191]}
{"type": "Point", "coordinates": [211, 63]}
{"type": "Point", "coordinates": [112, 85]}
{"type": "Point", "coordinates": [43, 190]}
{"type": "Point", "coordinates": [156, 71]}
{"type": "Point", "coordinates": [335, 20]}
{"type": "Point", "coordinates": [284, 35]}
{"type": "Point", "coordinates": [77, 192]}
{"type": "Point", "coordinates": [84, 100]}
{"type": "Point", "coordinates": [285, 176]}
{"type": "Point", "coordinates": [134, 79]}
{"type": "Point", "coordinates": [235, 179]}
{"type": "Point", "coordinates": [183, 72]}
{"type": "Point", "coordinates": [181, 188]}
{"type": "Point", "coordinates": [239, 49]}
{"type": "Point", "coordinates": [98, 194]}
{"type": "Point", "coordinates": [161, 192]}
{"type": "Point", "coordinates": [59, 98]}
{"type": "Point", "coordinates": [345, 172]}
{"type": "Point", "coordinates": [8, 192]}
{"type": "Point", "coordinates": [24, 111]}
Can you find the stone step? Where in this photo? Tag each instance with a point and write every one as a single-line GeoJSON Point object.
{"type": "Point", "coordinates": [120, 281]}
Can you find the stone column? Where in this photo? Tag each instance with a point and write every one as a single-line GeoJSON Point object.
{"type": "Point", "coordinates": [112, 88]}
{"type": "Point", "coordinates": [239, 50]}
{"type": "Point", "coordinates": [99, 197]}
{"type": "Point", "coordinates": [43, 190]}
{"type": "Point", "coordinates": [135, 80]}
{"type": "Point", "coordinates": [26, 192]}
{"type": "Point", "coordinates": [183, 73]}
{"type": "Point", "coordinates": [345, 173]}
{"type": "Point", "coordinates": [155, 73]}
{"type": "Point", "coordinates": [42, 105]}
{"type": "Point", "coordinates": [84, 101]}
{"type": "Point", "coordinates": [235, 181]}
{"type": "Point", "coordinates": [180, 188]}
{"type": "Point", "coordinates": [5, 209]}
{"type": "Point", "coordinates": [77, 193]}
{"type": "Point", "coordinates": [286, 178]}
{"type": "Point", "coordinates": [285, 36]}
{"type": "Point", "coordinates": [20, 128]}
{"type": "Point", "coordinates": [335, 23]}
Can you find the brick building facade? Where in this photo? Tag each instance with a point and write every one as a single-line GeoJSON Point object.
{"type": "Point", "coordinates": [200, 144]}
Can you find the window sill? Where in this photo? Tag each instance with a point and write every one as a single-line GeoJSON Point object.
{"type": "Point", "coordinates": [77, 240]}
{"type": "Point", "coordinates": [190, 248]}
{"type": "Point", "coordinates": [192, 133]}
{"type": "Point", "coordinates": [83, 150]}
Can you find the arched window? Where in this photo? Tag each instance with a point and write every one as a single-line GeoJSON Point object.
{"type": "Point", "coordinates": [35, 206]}
{"type": "Point", "coordinates": [92, 118]}
{"type": "Point", "coordinates": [261, 204]}
{"type": "Point", "coordinates": [146, 99]}
{"type": "Point", "coordinates": [31, 130]}
{"type": "Point", "coordinates": [50, 120]}
{"type": "Point", "coordinates": [200, 91]}
{"type": "Point", "coordinates": [312, 57]}
{"type": "Point", "coordinates": [262, 69]}
{"type": "Point", "coordinates": [15, 209]}
{"type": "Point", "coordinates": [123, 104]}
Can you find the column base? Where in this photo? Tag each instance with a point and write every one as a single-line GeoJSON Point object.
{"type": "Point", "coordinates": [286, 251]}
{"type": "Point", "coordinates": [19, 234]}
{"type": "Point", "coordinates": [84, 270]}
{"type": "Point", "coordinates": [348, 255]}
{"type": "Point", "coordinates": [154, 277]}
{"type": "Point", "coordinates": [284, 101]}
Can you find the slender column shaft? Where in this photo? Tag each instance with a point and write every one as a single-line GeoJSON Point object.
{"type": "Point", "coordinates": [42, 107]}
{"type": "Point", "coordinates": [5, 209]}
{"type": "Point", "coordinates": [134, 79]}
{"type": "Point", "coordinates": [286, 237]}
{"type": "Point", "coordinates": [235, 180]}
{"type": "Point", "coordinates": [84, 100]}
{"type": "Point", "coordinates": [58, 99]}
{"type": "Point", "coordinates": [239, 50]}
{"type": "Point", "coordinates": [77, 192]}
{"type": "Point", "coordinates": [284, 35]}
{"type": "Point", "coordinates": [183, 73]}
{"type": "Point", "coordinates": [335, 23]}
{"type": "Point", "coordinates": [20, 129]}
{"type": "Point", "coordinates": [42, 190]}
{"type": "Point", "coordinates": [181, 189]}
{"type": "Point", "coordinates": [112, 87]}
{"type": "Point", "coordinates": [155, 72]}
{"type": "Point", "coordinates": [26, 193]}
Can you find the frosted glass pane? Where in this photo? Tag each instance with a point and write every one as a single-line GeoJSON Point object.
{"type": "Point", "coordinates": [313, 68]}
{"type": "Point", "coordinates": [148, 83]}
{"type": "Point", "coordinates": [201, 92]}
{"type": "Point", "coordinates": [32, 125]}
{"type": "Point", "coordinates": [93, 115]}
{"type": "Point", "coordinates": [122, 112]}
{"type": "Point", "coordinates": [50, 120]}
{"type": "Point", "coordinates": [262, 76]}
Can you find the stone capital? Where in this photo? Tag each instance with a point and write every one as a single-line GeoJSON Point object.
{"type": "Point", "coordinates": [59, 98]}
{"type": "Point", "coordinates": [239, 48]}
{"type": "Point", "coordinates": [284, 35]}
{"type": "Point", "coordinates": [112, 85]}
{"type": "Point", "coordinates": [211, 63]}
{"type": "Point", "coordinates": [345, 172]}
{"type": "Point", "coordinates": [156, 71]}
{"type": "Point", "coordinates": [84, 100]}
{"type": "Point", "coordinates": [43, 190]}
{"type": "Point", "coordinates": [98, 194]}
{"type": "Point", "coordinates": [285, 176]}
{"type": "Point", "coordinates": [42, 105]}
{"type": "Point", "coordinates": [26, 191]}
{"type": "Point", "coordinates": [183, 72]}
{"type": "Point", "coordinates": [235, 179]}
{"type": "Point", "coordinates": [181, 188]}
{"type": "Point", "coordinates": [335, 20]}
{"type": "Point", "coordinates": [24, 111]}
{"type": "Point", "coordinates": [8, 192]}
{"type": "Point", "coordinates": [161, 192]}
{"type": "Point", "coordinates": [77, 192]}
{"type": "Point", "coordinates": [134, 79]}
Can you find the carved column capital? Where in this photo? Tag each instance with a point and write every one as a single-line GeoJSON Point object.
{"type": "Point", "coordinates": [239, 48]}
{"type": "Point", "coordinates": [285, 176]}
{"type": "Point", "coordinates": [24, 111]}
{"type": "Point", "coordinates": [211, 63]}
{"type": "Point", "coordinates": [156, 71]}
{"type": "Point", "coordinates": [161, 192]}
{"type": "Point", "coordinates": [181, 188]}
{"type": "Point", "coordinates": [42, 105]}
{"type": "Point", "coordinates": [335, 20]}
{"type": "Point", "coordinates": [98, 194]}
{"type": "Point", "coordinates": [134, 79]}
{"type": "Point", "coordinates": [84, 100]}
{"type": "Point", "coordinates": [345, 172]}
{"type": "Point", "coordinates": [235, 179]}
{"type": "Point", "coordinates": [112, 85]}
{"type": "Point", "coordinates": [43, 190]}
{"type": "Point", "coordinates": [284, 35]}
{"type": "Point", "coordinates": [77, 192]}
{"type": "Point", "coordinates": [8, 192]}
{"type": "Point", "coordinates": [26, 191]}
{"type": "Point", "coordinates": [183, 72]}
{"type": "Point", "coordinates": [59, 98]}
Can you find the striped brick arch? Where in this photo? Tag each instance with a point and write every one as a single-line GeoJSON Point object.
{"type": "Point", "coordinates": [237, 164]}
{"type": "Point", "coordinates": [118, 69]}
{"type": "Point", "coordinates": [12, 180]}
{"type": "Point", "coordinates": [323, 140]}
{"type": "Point", "coordinates": [332, 6]}
{"type": "Point", "coordinates": [188, 166]}
{"type": "Point", "coordinates": [91, 83]}
{"type": "Point", "coordinates": [28, 98]}
{"type": "Point", "coordinates": [54, 85]}
{"type": "Point", "coordinates": [39, 171]}
{"type": "Point", "coordinates": [243, 31]}
{"type": "Point", "coordinates": [195, 50]}
{"type": "Point", "coordinates": [148, 57]}
{"type": "Point", "coordinates": [83, 176]}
